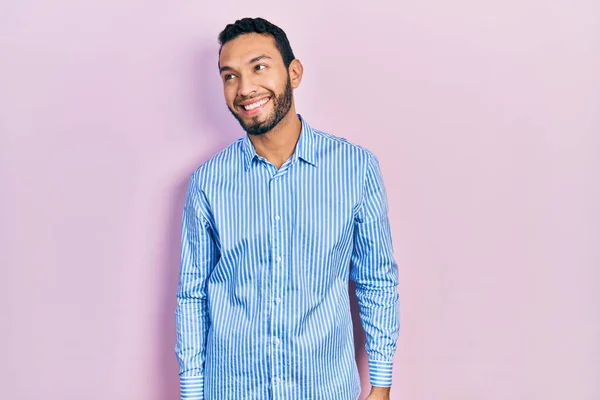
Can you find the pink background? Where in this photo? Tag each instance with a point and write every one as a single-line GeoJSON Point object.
{"type": "Point", "coordinates": [485, 117]}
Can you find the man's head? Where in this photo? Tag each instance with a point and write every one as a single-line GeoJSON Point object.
{"type": "Point", "coordinates": [259, 71]}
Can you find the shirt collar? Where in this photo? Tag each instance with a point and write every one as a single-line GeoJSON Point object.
{"type": "Point", "coordinates": [305, 148]}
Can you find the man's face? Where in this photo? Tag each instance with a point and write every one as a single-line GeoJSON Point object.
{"type": "Point", "coordinates": [256, 83]}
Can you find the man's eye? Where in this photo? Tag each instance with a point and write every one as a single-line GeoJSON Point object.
{"type": "Point", "coordinates": [229, 77]}
{"type": "Point", "coordinates": [260, 67]}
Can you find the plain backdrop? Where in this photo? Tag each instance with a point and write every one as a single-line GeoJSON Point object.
{"type": "Point", "coordinates": [485, 118]}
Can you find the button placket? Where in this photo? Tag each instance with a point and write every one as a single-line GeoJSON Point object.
{"type": "Point", "coordinates": [276, 249]}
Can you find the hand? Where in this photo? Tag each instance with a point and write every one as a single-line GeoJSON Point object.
{"type": "Point", "coordinates": [379, 393]}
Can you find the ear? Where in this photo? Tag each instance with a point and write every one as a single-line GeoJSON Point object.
{"type": "Point", "coordinates": [295, 70]}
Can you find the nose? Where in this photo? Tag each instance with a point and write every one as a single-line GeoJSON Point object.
{"type": "Point", "coordinates": [246, 86]}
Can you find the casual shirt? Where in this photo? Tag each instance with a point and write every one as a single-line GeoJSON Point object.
{"type": "Point", "coordinates": [263, 309]}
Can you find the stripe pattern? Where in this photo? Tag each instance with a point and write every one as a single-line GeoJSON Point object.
{"type": "Point", "coordinates": [263, 308]}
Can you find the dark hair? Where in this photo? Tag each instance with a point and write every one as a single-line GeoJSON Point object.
{"type": "Point", "coordinates": [263, 27]}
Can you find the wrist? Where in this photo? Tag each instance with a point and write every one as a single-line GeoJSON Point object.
{"type": "Point", "coordinates": [380, 389]}
{"type": "Point", "coordinates": [379, 393]}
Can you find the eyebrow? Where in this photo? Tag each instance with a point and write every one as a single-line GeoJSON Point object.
{"type": "Point", "coordinates": [252, 61]}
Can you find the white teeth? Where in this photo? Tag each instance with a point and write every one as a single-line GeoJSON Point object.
{"type": "Point", "coordinates": [254, 105]}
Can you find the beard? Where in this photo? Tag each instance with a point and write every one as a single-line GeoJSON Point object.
{"type": "Point", "coordinates": [281, 106]}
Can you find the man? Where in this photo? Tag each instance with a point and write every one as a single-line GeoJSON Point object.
{"type": "Point", "coordinates": [274, 226]}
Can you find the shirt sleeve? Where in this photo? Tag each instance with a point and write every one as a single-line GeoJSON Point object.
{"type": "Point", "coordinates": [375, 273]}
{"type": "Point", "coordinates": [199, 254]}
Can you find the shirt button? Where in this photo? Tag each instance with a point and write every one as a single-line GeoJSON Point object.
{"type": "Point", "coordinates": [276, 380]}
{"type": "Point", "coordinates": [277, 217]}
{"type": "Point", "coordinates": [278, 258]}
{"type": "Point", "coordinates": [277, 341]}
{"type": "Point", "coordinates": [278, 300]}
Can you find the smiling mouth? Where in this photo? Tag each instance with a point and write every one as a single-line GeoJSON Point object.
{"type": "Point", "coordinates": [256, 105]}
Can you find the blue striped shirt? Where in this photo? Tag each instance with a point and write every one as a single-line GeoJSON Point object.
{"type": "Point", "coordinates": [263, 308]}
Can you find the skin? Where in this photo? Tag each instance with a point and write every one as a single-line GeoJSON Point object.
{"type": "Point", "coordinates": [252, 69]}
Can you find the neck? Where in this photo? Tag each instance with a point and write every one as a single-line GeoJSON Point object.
{"type": "Point", "coordinates": [279, 143]}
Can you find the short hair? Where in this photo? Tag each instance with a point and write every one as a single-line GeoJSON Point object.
{"type": "Point", "coordinates": [263, 27]}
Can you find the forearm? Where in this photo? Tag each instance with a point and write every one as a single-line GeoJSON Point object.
{"type": "Point", "coordinates": [379, 314]}
{"type": "Point", "coordinates": [192, 327]}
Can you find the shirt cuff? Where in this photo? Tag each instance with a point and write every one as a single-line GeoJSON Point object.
{"type": "Point", "coordinates": [191, 387]}
{"type": "Point", "coordinates": [380, 373]}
